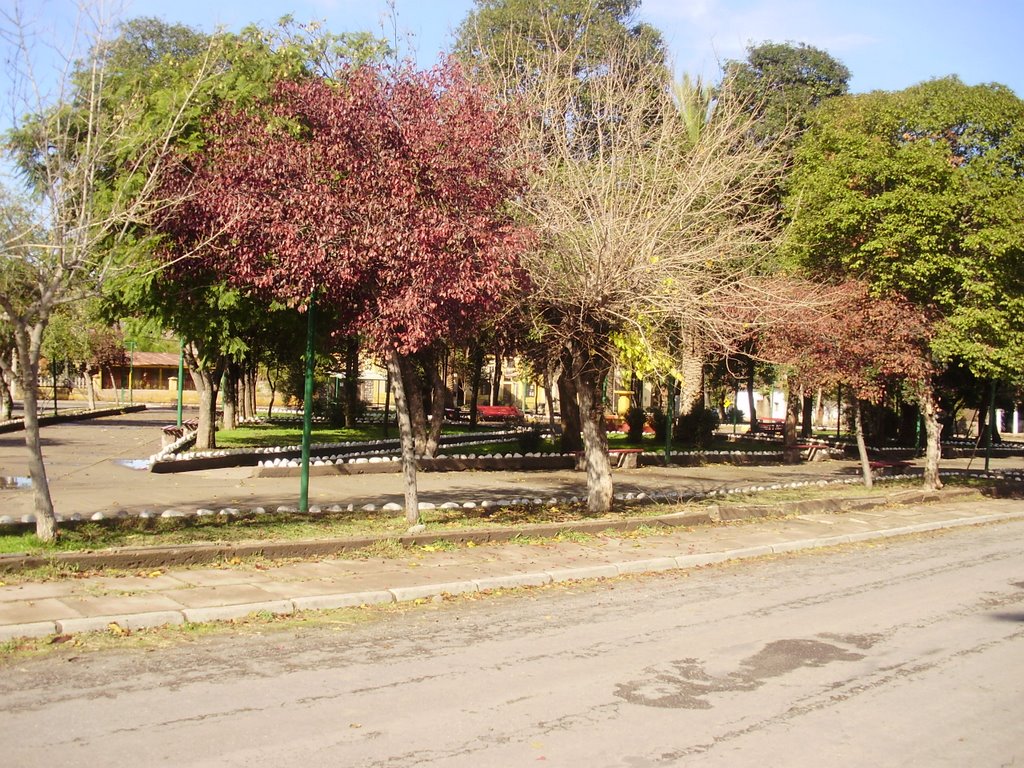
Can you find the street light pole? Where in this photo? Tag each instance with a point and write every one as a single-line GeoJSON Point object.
{"type": "Point", "coordinates": [131, 371]}
{"type": "Point", "coordinates": [181, 375]}
{"type": "Point", "coordinates": [669, 412]}
{"type": "Point", "coordinates": [307, 409]}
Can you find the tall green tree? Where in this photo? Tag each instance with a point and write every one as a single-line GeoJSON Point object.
{"type": "Point", "coordinates": [217, 321]}
{"type": "Point", "coordinates": [512, 41]}
{"type": "Point", "coordinates": [782, 83]}
{"type": "Point", "coordinates": [919, 192]}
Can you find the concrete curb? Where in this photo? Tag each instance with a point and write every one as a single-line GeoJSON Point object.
{"type": "Point", "coordinates": [18, 425]}
{"type": "Point", "coordinates": [509, 581]}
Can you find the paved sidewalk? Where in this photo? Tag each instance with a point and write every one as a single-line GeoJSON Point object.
{"type": "Point", "coordinates": [175, 596]}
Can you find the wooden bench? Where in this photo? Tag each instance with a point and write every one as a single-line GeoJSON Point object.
{"type": "Point", "coordinates": [620, 458]}
{"type": "Point", "coordinates": [813, 451]}
{"type": "Point", "coordinates": [625, 458]}
{"type": "Point", "coordinates": [175, 432]}
{"type": "Point", "coordinates": [881, 466]}
{"type": "Point", "coordinates": [506, 413]}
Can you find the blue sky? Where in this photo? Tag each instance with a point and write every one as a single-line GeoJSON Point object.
{"type": "Point", "coordinates": [886, 44]}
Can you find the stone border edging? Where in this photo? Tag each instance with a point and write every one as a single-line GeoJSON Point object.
{"type": "Point", "coordinates": [17, 425]}
{"type": "Point", "coordinates": [396, 595]}
{"type": "Point", "coordinates": [169, 460]}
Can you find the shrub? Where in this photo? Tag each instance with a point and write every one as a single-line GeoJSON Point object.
{"type": "Point", "coordinates": [530, 441]}
{"type": "Point", "coordinates": [732, 412]}
{"type": "Point", "coordinates": [660, 426]}
{"type": "Point", "coordinates": [697, 427]}
{"type": "Point", "coordinates": [636, 420]}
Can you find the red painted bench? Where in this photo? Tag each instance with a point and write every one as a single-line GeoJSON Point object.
{"type": "Point", "coordinates": [507, 413]}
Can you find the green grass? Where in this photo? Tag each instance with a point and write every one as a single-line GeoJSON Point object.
{"type": "Point", "coordinates": [718, 443]}
{"type": "Point", "coordinates": [290, 433]}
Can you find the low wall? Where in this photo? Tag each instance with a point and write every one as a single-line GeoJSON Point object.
{"type": "Point", "coordinates": [16, 425]}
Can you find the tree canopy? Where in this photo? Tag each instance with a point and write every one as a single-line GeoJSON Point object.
{"type": "Point", "coordinates": [512, 40]}
{"type": "Point", "coordinates": [919, 193]}
{"type": "Point", "coordinates": [781, 83]}
{"type": "Point", "coordinates": [383, 193]}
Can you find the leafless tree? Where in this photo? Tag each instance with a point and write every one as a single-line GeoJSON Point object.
{"type": "Point", "coordinates": [89, 166]}
{"type": "Point", "coordinates": [645, 225]}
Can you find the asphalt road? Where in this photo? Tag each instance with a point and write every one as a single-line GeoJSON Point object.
{"type": "Point", "coordinates": [890, 654]}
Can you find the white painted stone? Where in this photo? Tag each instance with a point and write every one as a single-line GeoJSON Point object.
{"type": "Point", "coordinates": [172, 513]}
{"type": "Point", "coordinates": [392, 507]}
{"type": "Point", "coordinates": [98, 516]}
{"type": "Point", "coordinates": [469, 505]}
{"type": "Point", "coordinates": [449, 505]}
{"type": "Point", "coordinates": [369, 508]}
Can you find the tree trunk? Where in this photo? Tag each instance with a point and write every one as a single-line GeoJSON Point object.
{"type": "Point", "coordinates": [792, 412]}
{"type": "Point", "coordinates": [478, 369]}
{"type": "Point", "coordinates": [113, 384]}
{"type": "Point", "coordinates": [6, 398]}
{"type": "Point", "coordinates": [549, 376]}
{"type": "Point", "coordinates": [412, 506]}
{"type": "Point", "coordinates": [253, 378]}
{"type": "Point", "coordinates": [412, 386]}
{"type": "Point", "coordinates": [90, 389]}
{"type": "Point", "coordinates": [862, 449]}
{"type": "Point", "coordinates": [46, 520]}
{"type": "Point", "coordinates": [807, 425]}
{"type": "Point", "coordinates": [244, 414]}
{"type": "Point", "coordinates": [496, 380]}
{"type": "Point", "coordinates": [206, 380]}
{"type": "Point", "coordinates": [351, 383]}
{"type": "Point", "coordinates": [568, 406]}
{"type": "Point", "coordinates": [438, 399]}
{"type": "Point", "coordinates": [206, 433]}
{"type": "Point", "coordinates": [231, 377]}
{"type": "Point", "coordinates": [933, 433]}
{"type": "Point", "coordinates": [595, 438]}
{"type": "Point", "coordinates": [819, 407]}
{"type": "Point", "coordinates": [28, 342]}
{"type": "Point", "coordinates": [751, 369]}
{"type": "Point", "coordinates": [272, 383]}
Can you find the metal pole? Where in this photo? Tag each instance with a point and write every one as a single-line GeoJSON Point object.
{"type": "Point", "coordinates": [131, 372]}
{"type": "Point", "coordinates": [181, 375]}
{"type": "Point", "coordinates": [307, 410]}
{"type": "Point", "coordinates": [670, 393]}
{"type": "Point", "coordinates": [839, 411]}
{"type": "Point", "coordinates": [735, 409]}
{"type": "Point", "coordinates": [387, 401]}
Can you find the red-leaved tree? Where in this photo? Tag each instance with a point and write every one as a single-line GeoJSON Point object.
{"type": "Point", "coordinates": [382, 194]}
{"type": "Point", "coordinates": [869, 345]}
